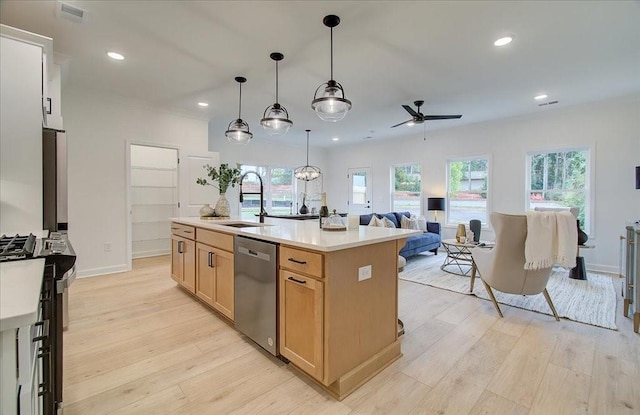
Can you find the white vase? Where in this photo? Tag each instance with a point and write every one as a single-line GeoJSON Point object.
{"type": "Point", "coordinates": [222, 207]}
{"type": "Point", "coordinates": [206, 211]}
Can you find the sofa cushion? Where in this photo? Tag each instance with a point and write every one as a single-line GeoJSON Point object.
{"type": "Point", "coordinates": [375, 221]}
{"type": "Point", "coordinates": [388, 223]}
{"type": "Point", "coordinates": [409, 223]}
{"type": "Point", "coordinates": [392, 217]}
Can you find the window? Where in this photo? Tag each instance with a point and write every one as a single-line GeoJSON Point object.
{"type": "Point", "coordinates": [560, 179]}
{"type": "Point", "coordinates": [278, 186]}
{"type": "Point", "coordinates": [406, 188]}
{"type": "Point", "coordinates": [282, 192]}
{"type": "Point", "coordinates": [467, 190]}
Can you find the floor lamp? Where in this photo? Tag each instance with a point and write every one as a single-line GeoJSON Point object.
{"type": "Point", "coordinates": [436, 204]}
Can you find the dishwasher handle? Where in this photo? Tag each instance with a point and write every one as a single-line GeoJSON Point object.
{"type": "Point", "coordinates": [254, 254]}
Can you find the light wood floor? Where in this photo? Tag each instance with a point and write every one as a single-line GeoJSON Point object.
{"type": "Point", "coordinates": [137, 344]}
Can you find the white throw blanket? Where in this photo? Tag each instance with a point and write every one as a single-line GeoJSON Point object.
{"type": "Point", "coordinates": [552, 238]}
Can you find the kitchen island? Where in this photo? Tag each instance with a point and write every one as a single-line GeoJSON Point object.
{"type": "Point", "coordinates": [337, 291]}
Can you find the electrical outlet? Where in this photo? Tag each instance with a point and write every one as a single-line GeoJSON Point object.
{"type": "Point", "coordinates": [107, 247]}
{"type": "Point", "coordinates": [364, 273]}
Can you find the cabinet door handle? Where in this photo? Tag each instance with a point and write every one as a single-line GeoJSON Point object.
{"type": "Point", "coordinates": [187, 231]}
{"type": "Point", "coordinates": [295, 280]}
{"type": "Point", "coordinates": [297, 261]}
{"type": "Point", "coordinates": [50, 106]}
{"type": "Point", "coordinates": [180, 247]}
{"type": "Point", "coordinates": [211, 259]}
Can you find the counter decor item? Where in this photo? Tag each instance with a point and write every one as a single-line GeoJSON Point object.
{"type": "Point", "coordinates": [476, 226]}
{"type": "Point", "coordinates": [582, 235]}
{"type": "Point", "coordinates": [225, 176]}
{"type": "Point", "coordinates": [206, 211]}
{"type": "Point", "coordinates": [334, 223]}
{"type": "Point", "coordinates": [304, 209]}
{"type": "Point", "coordinates": [461, 234]}
{"type": "Point", "coordinates": [324, 210]}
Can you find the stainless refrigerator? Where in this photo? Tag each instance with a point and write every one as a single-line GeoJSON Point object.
{"type": "Point", "coordinates": [54, 180]}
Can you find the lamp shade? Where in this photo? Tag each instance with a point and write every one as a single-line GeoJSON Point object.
{"type": "Point", "coordinates": [435, 203]}
{"type": "Point", "coordinates": [637, 177]}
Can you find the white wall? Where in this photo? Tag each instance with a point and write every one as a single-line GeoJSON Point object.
{"type": "Point", "coordinates": [98, 127]}
{"type": "Point", "coordinates": [263, 151]}
{"type": "Point", "coordinates": [611, 129]}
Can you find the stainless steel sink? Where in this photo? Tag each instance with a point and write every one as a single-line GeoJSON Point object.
{"type": "Point", "coordinates": [243, 225]}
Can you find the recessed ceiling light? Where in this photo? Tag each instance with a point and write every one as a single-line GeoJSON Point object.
{"type": "Point", "coordinates": [541, 96]}
{"type": "Point", "coordinates": [203, 104]}
{"type": "Point", "coordinates": [115, 55]}
{"type": "Point", "coordinates": [335, 139]}
{"type": "Point", "coordinates": [503, 41]}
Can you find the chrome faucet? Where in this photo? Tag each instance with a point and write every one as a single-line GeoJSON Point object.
{"type": "Point", "coordinates": [263, 212]}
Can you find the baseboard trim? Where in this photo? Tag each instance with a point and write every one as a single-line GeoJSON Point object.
{"type": "Point", "coordinates": [606, 269]}
{"type": "Point", "coordinates": [148, 254]}
{"type": "Point", "coordinates": [94, 272]}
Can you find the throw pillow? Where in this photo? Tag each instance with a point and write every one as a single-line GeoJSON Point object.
{"type": "Point", "coordinates": [388, 223]}
{"type": "Point", "coordinates": [409, 223]}
{"type": "Point", "coordinates": [422, 223]}
{"type": "Point", "coordinates": [376, 222]}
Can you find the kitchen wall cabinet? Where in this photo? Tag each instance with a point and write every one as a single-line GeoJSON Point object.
{"type": "Point", "coordinates": [215, 278]}
{"type": "Point", "coordinates": [183, 262]}
{"type": "Point", "coordinates": [20, 134]}
{"type": "Point", "coordinates": [301, 321]}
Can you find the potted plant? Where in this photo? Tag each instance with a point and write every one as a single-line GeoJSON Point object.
{"type": "Point", "coordinates": [224, 176]}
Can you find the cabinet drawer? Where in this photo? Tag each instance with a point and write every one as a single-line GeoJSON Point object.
{"type": "Point", "coordinates": [301, 261]}
{"type": "Point", "coordinates": [183, 230]}
{"type": "Point", "coordinates": [215, 239]}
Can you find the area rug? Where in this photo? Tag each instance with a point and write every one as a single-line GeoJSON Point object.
{"type": "Point", "coordinates": [592, 301]}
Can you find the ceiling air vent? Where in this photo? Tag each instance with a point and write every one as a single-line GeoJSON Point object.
{"type": "Point", "coordinates": [547, 103]}
{"type": "Point", "coordinates": [72, 13]}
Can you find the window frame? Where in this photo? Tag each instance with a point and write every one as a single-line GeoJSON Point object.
{"type": "Point", "coordinates": [589, 225]}
{"type": "Point", "coordinates": [392, 176]}
{"type": "Point", "coordinates": [485, 223]}
{"type": "Point", "coordinates": [267, 187]}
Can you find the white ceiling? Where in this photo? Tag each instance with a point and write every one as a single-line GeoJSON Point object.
{"type": "Point", "coordinates": [386, 53]}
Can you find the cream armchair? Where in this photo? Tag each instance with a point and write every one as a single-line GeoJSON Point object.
{"type": "Point", "coordinates": [502, 267]}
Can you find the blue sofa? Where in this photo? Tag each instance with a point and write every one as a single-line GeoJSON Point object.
{"type": "Point", "coordinates": [427, 241]}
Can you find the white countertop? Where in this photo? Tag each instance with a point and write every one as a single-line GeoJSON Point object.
{"type": "Point", "coordinates": [303, 233]}
{"type": "Point", "coordinates": [20, 284]}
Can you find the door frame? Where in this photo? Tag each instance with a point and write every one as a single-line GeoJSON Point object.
{"type": "Point", "coordinates": [350, 171]}
{"type": "Point", "coordinates": [129, 211]}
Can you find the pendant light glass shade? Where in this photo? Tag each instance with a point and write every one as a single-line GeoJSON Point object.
{"type": "Point", "coordinates": [238, 130]}
{"type": "Point", "coordinates": [307, 172]}
{"type": "Point", "coordinates": [276, 120]}
{"type": "Point", "coordinates": [329, 101]}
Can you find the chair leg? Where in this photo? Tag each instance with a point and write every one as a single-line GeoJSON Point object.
{"type": "Point", "coordinates": [546, 296]}
{"type": "Point", "coordinates": [493, 298]}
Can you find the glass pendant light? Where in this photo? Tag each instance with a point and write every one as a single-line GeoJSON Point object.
{"type": "Point", "coordinates": [307, 172]}
{"type": "Point", "coordinates": [329, 101]}
{"type": "Point", "coordinates": [276, 120]}
{"type": "Point", "coordinates": [238, 130]}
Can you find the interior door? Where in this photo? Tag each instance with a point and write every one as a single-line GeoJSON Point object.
{"type": "Point", "coordinates": [359, 190]}
{"type": "Point", "coordinates": [192, 195]}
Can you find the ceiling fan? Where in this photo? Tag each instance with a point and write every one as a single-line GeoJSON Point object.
{"type": "Point", "coordinates": [419, 118]}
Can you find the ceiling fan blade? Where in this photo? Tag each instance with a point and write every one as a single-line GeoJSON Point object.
{"type": "Point", "coordinates": [441, 117]}
{"type": "Point", "coordinates": [411, 111]}
{"type": "Point", "coordinates": [402, 123]}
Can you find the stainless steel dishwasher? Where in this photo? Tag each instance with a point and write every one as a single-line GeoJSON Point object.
{"type": "Point", "coordinates": [255, 291]}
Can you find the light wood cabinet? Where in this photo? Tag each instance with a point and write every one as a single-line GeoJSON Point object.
{"type": "Point", "coordinates": [301, 321]}
{"type": "Point", "coordinates": [215, 278]}
{"type": "Point", "coordinates": [183, 262]}
{"type": "Point", "coordinates": [299, 260]}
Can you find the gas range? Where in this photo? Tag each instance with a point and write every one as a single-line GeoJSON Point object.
{"type": "Point", "coordinates": [55, 249]}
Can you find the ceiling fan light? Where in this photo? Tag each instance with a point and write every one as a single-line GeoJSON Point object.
{"type": "Point", "coordinates": [238, 132]}
{"type": "Point", "coordinates": [276, 120]}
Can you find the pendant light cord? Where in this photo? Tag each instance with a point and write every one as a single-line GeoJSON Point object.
{"type": "Point", "coordinates": [276, 82]}
{"type": "Point", "coordinates": [240, 102]}
{"type": "Point", "coordinates": [307, 148]}
{"type": "Point", "coordinates": [332, 53]}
